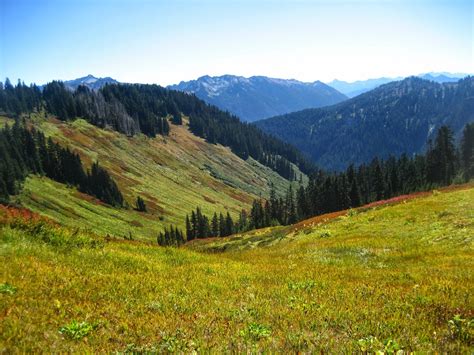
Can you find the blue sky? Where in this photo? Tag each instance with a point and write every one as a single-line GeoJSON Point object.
{"type": "Point", "coordinates": [168, 41]}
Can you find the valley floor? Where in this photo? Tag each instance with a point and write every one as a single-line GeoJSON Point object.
{"type": "Point", "coordinates": [385, 279]}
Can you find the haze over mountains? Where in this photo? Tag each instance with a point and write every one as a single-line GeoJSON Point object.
{"type": "Point", "coordinates": [260, 97]}
{"type": "Point", "coordinates": [394, 118]}
{"type": "Point", "coordinates": [352, 89]}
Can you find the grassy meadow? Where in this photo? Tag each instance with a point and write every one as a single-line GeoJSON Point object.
{"type": "Point", "coordinates": [388, 278]}
{"type": "Point", "coordinates": [172, 174]}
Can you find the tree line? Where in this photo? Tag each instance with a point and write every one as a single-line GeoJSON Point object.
{"type": "Point", "coordinates": [26, 151]}
{"type": "Point", "coordinates": [381, 179]}
{"type": "Point", "coordinates": [201, 226]}
{"type": "Point", "coordinates": [198, 226]}
{"type": "Point", "coordinates": [329, 192]}
{"type": "Point", "coordinates": [134, 108]}
{"type": "Point", "coordinates": [171, 237]}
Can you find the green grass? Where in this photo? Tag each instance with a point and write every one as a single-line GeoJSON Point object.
{"type": "Point", "coordinates": [386, 279]}
{"type": "Point", "coordinates": [71, 208]}
{"type": "Point", "coordinates": [173, 175]}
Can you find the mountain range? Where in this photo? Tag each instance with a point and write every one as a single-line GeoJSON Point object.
{"type": "Point", "coordinates": [392, 119]}
{"type": "Point", "coordinates": [352, 89]}
{"type": "Point", "coordinates": [260, 97]}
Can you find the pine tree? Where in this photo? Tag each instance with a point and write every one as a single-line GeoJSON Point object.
{"type": "Point", "coordinates": [467, 152]}
{"type": "Point", "coordinates": [194, 226]}
{"type": "Point", "coordinates": [302, 204]}
{"type": "Point", "coordinates": [441, 158]}
{"type": "Point", "coordinates": [256, 215]}
{"type": "Point", "coordinates": [229, 225]}
{"type": "Point", "coordinates": [189, 230]}
{"type": "Point", "coordinates": [215, 226]}
{"type": "Point", "coordinates": [140, 204]}
{"type": "Point", "coordinates": [377, 181]}
{"type": "Point", "coordinates": [290, 206]}
{"type": "Point", "coordinates": [354, 194]}
{"type": "Point", "coordinates": [221, 225]}
{"type": "Point", "coordinates": [243, 223]}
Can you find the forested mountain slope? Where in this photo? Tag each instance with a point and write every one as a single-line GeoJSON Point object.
{"type": "Point", "coordinates": [260, 97]}
{"type": "Point", "coordinates": [149, 109]}
{"type": "Point", "coordinates": [399, 117]}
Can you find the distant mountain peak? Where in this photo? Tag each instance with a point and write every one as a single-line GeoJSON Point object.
{"type": "Point", "coordinates": [258, 97]}
{"type": "Point", "coordinates": [92, 82]}
{"type": "Point", "coordinates": [354, 88]}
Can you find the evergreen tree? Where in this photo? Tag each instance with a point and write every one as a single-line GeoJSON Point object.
{"type": "Point", "coordinates": [194, 226]}
{"type": "Point", "coordinates": [441, 158]}
{"type": "Point", "coordinates": [215, 226]}
{"type": "Point", "coordinates": [229, 225]}
{"type": "Point", "coordinates": [290, 207]}
{"type": "Point", "coordinates": [99, 183]}
{"type": "Point", "coordinates": [170, 237]}
{"type": "Point", "coordinates": [467, 151]}
{"type": "Point", "coordinates": [243, 221]}
{"type": "Point", "coordinates": [377, 181]}
{"type": "Point", "coordinates": [221, 225]}
{"type": "Point", "coordinates": [140, 204]}
{"type": "Point", "coordinates": [189, 230]}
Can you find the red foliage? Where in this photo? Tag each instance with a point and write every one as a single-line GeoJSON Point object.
{"type": "Point", "coordinates": [10, 214]}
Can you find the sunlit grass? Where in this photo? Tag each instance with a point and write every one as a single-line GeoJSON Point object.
{"type": "Point", "coordinates": [390, 278]}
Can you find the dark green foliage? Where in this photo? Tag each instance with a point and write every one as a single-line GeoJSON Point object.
{"type": "Point", "coordinates": [200, 226]}
{"type": "Point", "coordinates": [215, 226]}
{"type": "Point", "coordinates": [140, 205]}
{"type": "Point", "coordinates": [221, 225]}
{"type": "Point", "coordinates": [147, 105]}
{"type": "Point", "coordinates": [18, 99]}
{"type": "Point", "coordinates": [467, 152]}
{"type": "Point", "coordinates": [189, 230]}
{"type": "Point", "coordinates": [441, 158]}
{"type": "Point", "coordinates": [171, 237]}
{"type": "Point", "coordinates": [24, 151]}
{"type": "Point", "coordinates": [229, 226]}
{"type": "Point", "coordinates": [59, 100]}
{"type": "Point", "coordinates": [177, 119]}
{"type": "Point", "coordinates": [99, 183]}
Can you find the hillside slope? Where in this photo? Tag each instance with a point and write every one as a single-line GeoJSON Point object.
{"type": "Point", "coordinates": [172, 174]}
{"type": "Point", "coordinates": [260, 97]}
{"type": "Point", "coordinates": [395, 118]}
{"type": "Point", "coordinates": [388, 279]}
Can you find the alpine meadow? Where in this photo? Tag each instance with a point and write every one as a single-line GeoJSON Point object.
{"type": "Point", "coordinates": [236, 177]}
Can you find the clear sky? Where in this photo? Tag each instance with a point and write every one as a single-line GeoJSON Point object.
{"type": "Point", "coordinates": [166, 41]}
